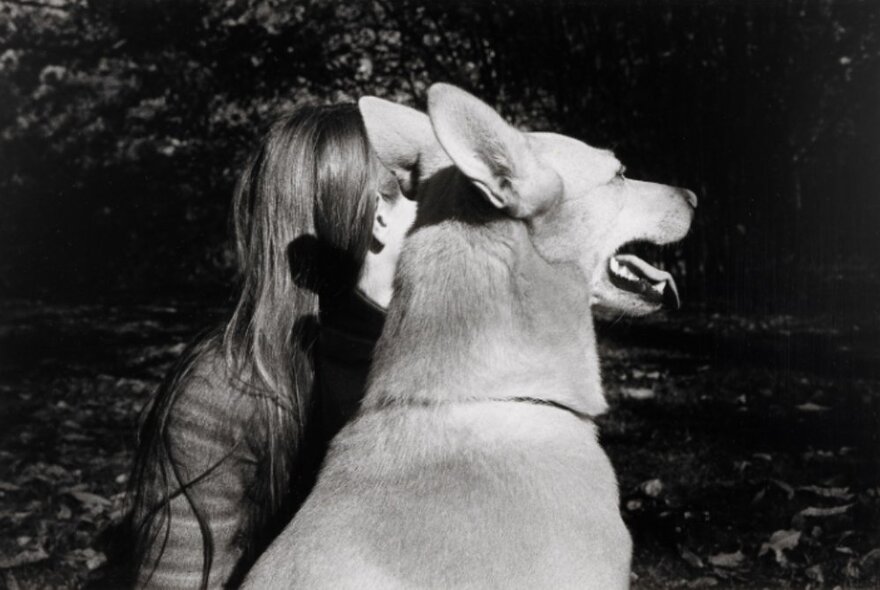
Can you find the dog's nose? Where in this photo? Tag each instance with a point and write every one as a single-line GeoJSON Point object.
{"type": "Point", "coordinates": [690, 197]}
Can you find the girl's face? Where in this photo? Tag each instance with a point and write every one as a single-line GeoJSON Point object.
{"type": "Point", "coordinates": [393, 218]}
{"type": "Point", "coordinates": [394, 214]}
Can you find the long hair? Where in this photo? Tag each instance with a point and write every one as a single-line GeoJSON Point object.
{"type": "Point", "coordinates": [302, 219]}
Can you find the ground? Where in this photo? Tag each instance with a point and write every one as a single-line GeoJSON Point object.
{"type": "Point", "coordinates": [748, 449]}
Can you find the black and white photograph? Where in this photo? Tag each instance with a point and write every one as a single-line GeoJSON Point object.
{"type": "Point", "coordinates": [422, 294]}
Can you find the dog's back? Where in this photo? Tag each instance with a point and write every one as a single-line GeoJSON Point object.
{"type": "Point", "coordinates": [479, 496]}
{"type": "Point", "coordinates": [474, 461]}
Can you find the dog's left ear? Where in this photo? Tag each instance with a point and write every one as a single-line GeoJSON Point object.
{"type": "Point", "coordinates": [403, 140]}
{"type": "Point", "coordinates": [496, 157]}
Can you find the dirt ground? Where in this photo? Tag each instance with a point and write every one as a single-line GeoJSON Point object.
{"type": "Point", "coordinates": [748, 449]}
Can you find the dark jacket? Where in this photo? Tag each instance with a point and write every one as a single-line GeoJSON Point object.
{"type": "Point", "coordinates": [349, 331]}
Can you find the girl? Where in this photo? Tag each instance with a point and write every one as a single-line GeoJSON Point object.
{"type": "Point", "coordinates": [231, 443]}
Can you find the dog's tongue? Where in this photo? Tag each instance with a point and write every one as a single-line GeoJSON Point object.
{"type": "Point", "coordinates": [633, 274]}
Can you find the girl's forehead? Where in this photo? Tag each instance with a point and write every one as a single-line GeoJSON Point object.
{"type": "Point", "coordinates": [386, 182]}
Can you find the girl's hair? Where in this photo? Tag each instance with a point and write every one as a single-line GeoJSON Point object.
{"type": "Point", "coordinates": [302, 217]}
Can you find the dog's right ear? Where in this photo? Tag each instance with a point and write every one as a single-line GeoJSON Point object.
{"type": "Point", "coordinates": [497, 158]}
{"type": "Point", "coordinates": [402, 138]}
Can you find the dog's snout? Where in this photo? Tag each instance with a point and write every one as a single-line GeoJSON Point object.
{"type": "Point", "coordinates": [689, 196]}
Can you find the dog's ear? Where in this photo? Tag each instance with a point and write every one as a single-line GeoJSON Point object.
{"type": "Point", "coordinates": [402, 139]}
{"type": "Point", "coordinates": [496, 157]}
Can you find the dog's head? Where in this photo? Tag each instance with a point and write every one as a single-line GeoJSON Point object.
{"type": "Point", "coordinates": [578, 205]}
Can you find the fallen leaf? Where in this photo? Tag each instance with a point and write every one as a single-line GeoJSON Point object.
{"type": "Point", "coordinates": [759, 496]}
{"type": "Point", "coordinates": [789, 491]}
{"type": "Point", "coordinates": [96, 561]}
{"type": "Point", "coordinates": [728, 560]}
{"type": "Point", "coordinates": [825, 492]}
{"type": "Point", "coordinates": [692, 558]}
{"type": "Point", "coordinates": [49, 473]}
{"type": "Point", "coordinates": [871, 559]}
{"type": "Point", "coordinates": [5, 486]}
{"type": "Point", "coordinates": [704, 582]}
{"type": "Point", "coordinates": [652, 487]}
{"type": "Point", "coordinates": [819, 455]}
{"type": "Point", "coordinates": [14, 517]}
{"type": "Point", "coordinates": [24, 558]}
{"type": "Point", "coordinates": [137, 386]}
{"type": "Point", "coordinates": [639, 393]}
{"type": "Point", "coordinates": [91, 558]}
{"type": "Point", "coordinates": [800, 520]}
{"type": "Point", "coordinates": [852, 570]}
{"type": "Point", "coordinates": [815, 573]}
{"type": "Point", "coordinates": [812, 407]}
{"type": "Point", "coordinates": [74, 437]}
{"type": "Point", "coordinates": [824, 512]}
{"type": "Point", "coordinates": [64, 513]}
{"type": "Point", "coordinates": [11, 582]}
{"type": "Point", "coordinates": [90, 499]}
{"type": "Point", "coordinates": [779, 542]}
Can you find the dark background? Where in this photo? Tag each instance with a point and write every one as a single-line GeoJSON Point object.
{"type": "Point", "coordinates": [744, 429]}
{"type": "Point", "coordinates": [123, 125]}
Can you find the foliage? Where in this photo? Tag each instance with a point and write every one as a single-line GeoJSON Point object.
{"type": "Point", "coordinates": [123, 123]}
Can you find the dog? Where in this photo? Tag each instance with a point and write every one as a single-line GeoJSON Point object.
{"type": "Point", "coordinates": [473, 461]}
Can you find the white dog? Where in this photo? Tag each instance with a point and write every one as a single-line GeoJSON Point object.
{"type": "Point", "coordinates": [474, 461]}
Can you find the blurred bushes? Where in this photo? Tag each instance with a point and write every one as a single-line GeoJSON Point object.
{"type": "Point", "coordinates": [123, 123]}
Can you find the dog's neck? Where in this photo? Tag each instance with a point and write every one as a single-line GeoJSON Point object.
{"type": "Point", "coordinates": [479, 315]}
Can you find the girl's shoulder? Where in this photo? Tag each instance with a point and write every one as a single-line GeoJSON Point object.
{"type": "Point", "coordinates": [212, 409]}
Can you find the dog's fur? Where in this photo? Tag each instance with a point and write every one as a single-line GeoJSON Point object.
{"type": "Point", "coordinates": [453, 475]}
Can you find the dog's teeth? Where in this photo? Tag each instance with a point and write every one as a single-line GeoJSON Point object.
{"type": "Point", "coordinates": [628, 274]}
{"type": "Point", "coordinates": [658, 287]}
{"type": "Point", "coordinates": [622, 270]}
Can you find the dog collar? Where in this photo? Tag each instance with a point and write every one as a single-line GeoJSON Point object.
{"type": "Point", "coordinates": [527, 400]}
{"type": "Point", "coordinates": [547, 402]}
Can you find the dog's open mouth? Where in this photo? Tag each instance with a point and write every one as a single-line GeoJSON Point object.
{"type": "Point", "coordinates": [631, 273]}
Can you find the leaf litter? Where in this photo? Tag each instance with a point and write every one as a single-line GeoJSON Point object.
{"type": "Point", "coordinates": [718, 455]}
